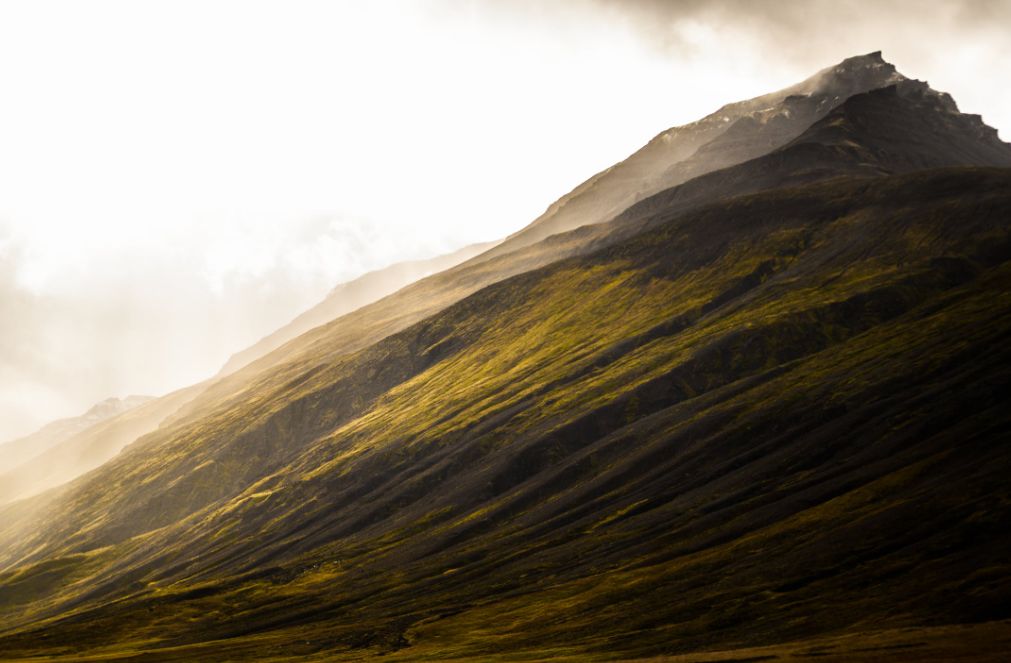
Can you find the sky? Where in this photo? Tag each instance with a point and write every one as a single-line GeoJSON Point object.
{"type": "Point", "coordinates": [178, 179]}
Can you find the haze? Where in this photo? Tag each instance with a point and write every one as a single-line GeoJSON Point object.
{"type": "Point", "coordinates": [178, 179]}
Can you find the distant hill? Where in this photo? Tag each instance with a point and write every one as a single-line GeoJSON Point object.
{"type": "Point", "coordinates": [91, 442]}
{"type": "Point", "coordinates": [18, 451]}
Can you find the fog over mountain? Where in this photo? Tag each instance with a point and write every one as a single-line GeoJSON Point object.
{"type": "Point", "coordinates": [180, 180]}
{"type": "Point", "coordinates": [756, 411]}
{"type": "Point", "coordinates": [120, 320]}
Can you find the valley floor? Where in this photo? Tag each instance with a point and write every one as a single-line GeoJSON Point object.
{"type": "Point", "coordinates": [980, 643]}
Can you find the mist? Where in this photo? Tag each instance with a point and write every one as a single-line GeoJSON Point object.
{"type": "Point", "coordinates": [178, 180]}
{"type": "Point", "coordinates": [123, 322]}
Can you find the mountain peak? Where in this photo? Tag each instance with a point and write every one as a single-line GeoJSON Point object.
{"type": "Point", "coordinates": [853, 75]}
{"type": "Point", "coordinates": [867, 57]}
{"type": "Point", "coordinates": [733, 134]}
{"type": "Point", "coordinates": [114, 405]}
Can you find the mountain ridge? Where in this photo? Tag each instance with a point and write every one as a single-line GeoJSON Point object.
{"type": "Point", "coordinates": [484, 268]}
{"type": "Point", "coordinates": [651, 167]}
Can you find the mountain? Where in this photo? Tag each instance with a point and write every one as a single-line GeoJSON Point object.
{"type": "Point", "coordinates": [352, 295]}
{"type": "Point", "coordinates": [759, 414]}
{"type": "Point", "coordinates": [23, 449]}
{"type": "Point", "coordinates": [515, 255]}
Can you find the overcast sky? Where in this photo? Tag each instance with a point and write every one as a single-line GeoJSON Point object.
{"type": "Point", "coordinates": [177, 179]}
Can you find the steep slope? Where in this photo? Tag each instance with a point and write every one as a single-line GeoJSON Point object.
{"type": "Point", "coordinates": [18, 451]}
{"type": "Point", "coordinates": [353, 295]}
{"type": "Point", "coordinates": [718, 433]}
{"type": "Point", "coordinates": [733, 134]}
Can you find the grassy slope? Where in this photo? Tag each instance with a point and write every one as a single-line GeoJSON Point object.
{"type": "Point", "coordinates": [759, 422]}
